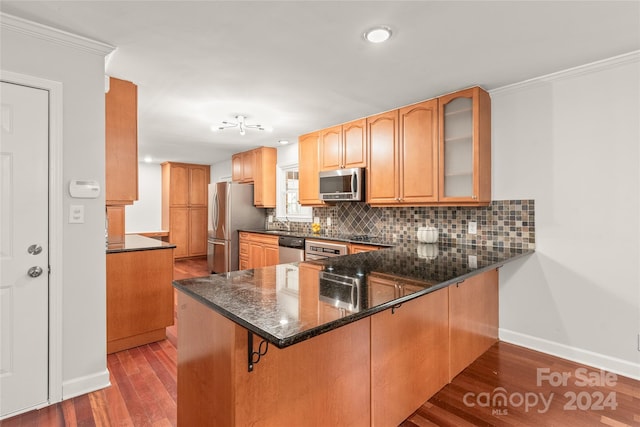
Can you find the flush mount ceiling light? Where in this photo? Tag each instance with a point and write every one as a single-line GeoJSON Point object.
{"type": "Point", "coordinates": [378, 34]}
{"type": "Point", "coordinates": [283, 142]}
{"type": "Point", "coordinates": [240, 124]}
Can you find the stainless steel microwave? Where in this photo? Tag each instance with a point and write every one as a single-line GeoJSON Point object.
{"type": "Point", "coordinates": [342, 185]}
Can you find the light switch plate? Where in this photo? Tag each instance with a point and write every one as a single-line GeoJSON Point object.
{"type": "Point", "coordinates": [76, 214]}
{"type": "Point", "coordinates": [270, 219]}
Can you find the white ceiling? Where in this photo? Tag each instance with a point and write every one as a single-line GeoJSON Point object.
{"type": "Point", "coordinates": [299, 66]}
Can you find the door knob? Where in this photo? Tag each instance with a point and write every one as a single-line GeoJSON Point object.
{"type": "Point", "coordinates": [34, 249]}
{"type": "Point", "coordinates": [34, 271]}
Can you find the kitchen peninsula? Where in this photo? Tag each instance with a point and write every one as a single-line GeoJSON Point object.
{"type": "Point", "coordinates": [357, 340]}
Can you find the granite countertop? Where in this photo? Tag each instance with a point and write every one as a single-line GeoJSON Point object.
{"type": "Point", "coordinates": [287, 303]}
{"type": "Point", "coordinates": [370, 240]}
{"type": "Point", "coordinates": [135, 242]}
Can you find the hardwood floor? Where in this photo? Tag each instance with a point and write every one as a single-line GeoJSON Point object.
{"type": "Point", "coordinates": [143, 390]}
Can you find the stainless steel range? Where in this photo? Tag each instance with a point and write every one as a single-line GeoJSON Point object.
{"type": "Point", "coordinates": [318, 249]}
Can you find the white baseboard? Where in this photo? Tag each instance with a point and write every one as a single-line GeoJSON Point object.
{"type": "Point", "coordinates": [578, 355]}
{"type": "Point", "coordinates": [86, 384]}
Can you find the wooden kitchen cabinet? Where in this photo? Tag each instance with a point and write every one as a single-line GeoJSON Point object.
{"type": "Point", "coordinates": [409, 357]}
{"type": "Point", "coordinates": [308, 169]}
{"type": "Point", "coordinates": [139, 297]}
{"type": "Point", "coordinates": [188, 184]}
{"type": "Point", "coordinates": [185, 207]}
{"type": "Point", "coordinates": [435, 152]}
{"type": "Point", "coordinates": [383, 173]}
{"type": "Point", "coordinates": [179, 230]}
{"type": "Point", "coordinates": [465, 147]}
{"type": "Point", "coordinates": [331, 148]}
{"type": "Point", "coordinates": [264, 177]}
{"type": "Point", "coordinates": [257, 250]}
{"type": "Point", "coordinates": [344, 146]}
{"type": "Point", "coordinates": [198, 229]}
{"type": "Point", "coordinates": [473, 319]}
{"type": "Point", "coordinates": [403, 156]}
{"type": "Point", "coordinates": [236, 167]}
{"type": "Point", "coordinates": [257, 166]}
{"type": "Point", "coordinates": [242, 165]}
{"type": "Point", "coordinates": [419, 153]}
{"type": "Point", "coordinates": [187, 227]}
{"type": "Point", "coordinates": [121, 143]}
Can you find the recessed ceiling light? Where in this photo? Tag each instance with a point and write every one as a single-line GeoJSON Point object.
{"type": "Point", "coordinates": [378, 34]}
{"type": "Point", "coordinates": [283, 142]}
{"type": "Point", "coordinates": [148, 159]}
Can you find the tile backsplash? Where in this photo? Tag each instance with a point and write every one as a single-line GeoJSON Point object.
{"type": "Point", "coordinates": [508, 223]}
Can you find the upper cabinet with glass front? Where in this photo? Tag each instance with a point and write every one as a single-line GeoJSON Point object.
{"type": "Point", "coordinates": [465, 147]}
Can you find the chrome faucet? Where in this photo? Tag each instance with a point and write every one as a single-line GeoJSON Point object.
{"type": "Point", "coordinates": [286, 223]}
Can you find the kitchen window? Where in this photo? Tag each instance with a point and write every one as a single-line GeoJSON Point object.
{"type": "Point", "coordinates": [287, 206]}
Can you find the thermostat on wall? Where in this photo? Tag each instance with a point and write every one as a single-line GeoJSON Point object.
{"type": "Point", "coordinates": [83, 189]}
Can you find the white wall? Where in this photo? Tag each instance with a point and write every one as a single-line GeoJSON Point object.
{"type": "Point", "coordinates": [83, 245]}
{"type": "Point", "coordinates": [221, 171]}
{"type": "Point", "coordinates": [146, 213]}
{"type": "Point", "coordinates": [288, 154]}
{"type": "Point", "coordinates": [571, 142]}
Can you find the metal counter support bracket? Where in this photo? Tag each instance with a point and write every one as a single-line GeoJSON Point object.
{"type": "Point", "coordinates": [253, 357]}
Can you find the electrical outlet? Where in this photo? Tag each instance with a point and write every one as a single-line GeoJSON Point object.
{"type": "Point", "coordinates": [329, 221]}
{"type": "Point", "coordinates": [270, 219]}
{"type": "Point", "coordinates": [473, 261]}
{"type": "Point", "coordinates": [473, 227]}
{"type": "Point", "coordinates": [316, 219]}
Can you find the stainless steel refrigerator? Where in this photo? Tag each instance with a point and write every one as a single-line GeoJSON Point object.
{"type": "Point", "coordinates": [230, 209]}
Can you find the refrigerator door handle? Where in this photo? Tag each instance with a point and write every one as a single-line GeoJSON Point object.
{"type": "Point", "coordinates": [227, 215]}
{"type": "Point", "coordinates": [214, 213]}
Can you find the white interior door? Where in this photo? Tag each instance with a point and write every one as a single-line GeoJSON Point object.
{"type": "Point", "coordinates": [24, 248]}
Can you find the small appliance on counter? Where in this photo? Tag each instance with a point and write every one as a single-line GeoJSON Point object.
{"type": "Point", "coordinates": [230, 209]}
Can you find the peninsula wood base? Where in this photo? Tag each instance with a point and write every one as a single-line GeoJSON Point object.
{"type": "Point", "coordinates": [322, 381]}
{"type": "Point", "coordinates": [373, 372]}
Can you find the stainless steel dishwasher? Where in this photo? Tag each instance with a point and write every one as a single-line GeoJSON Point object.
{"type": "Point", "coordinates": [291, 249]}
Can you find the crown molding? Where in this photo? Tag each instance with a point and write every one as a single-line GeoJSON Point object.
{"type": "Point", "coordinates": [54, 35]}
{"type": "Point", "coordinates": [591, 67]}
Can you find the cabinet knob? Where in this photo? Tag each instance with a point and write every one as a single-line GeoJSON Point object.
{"type": "Point", "coordinates": [474, 197]}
